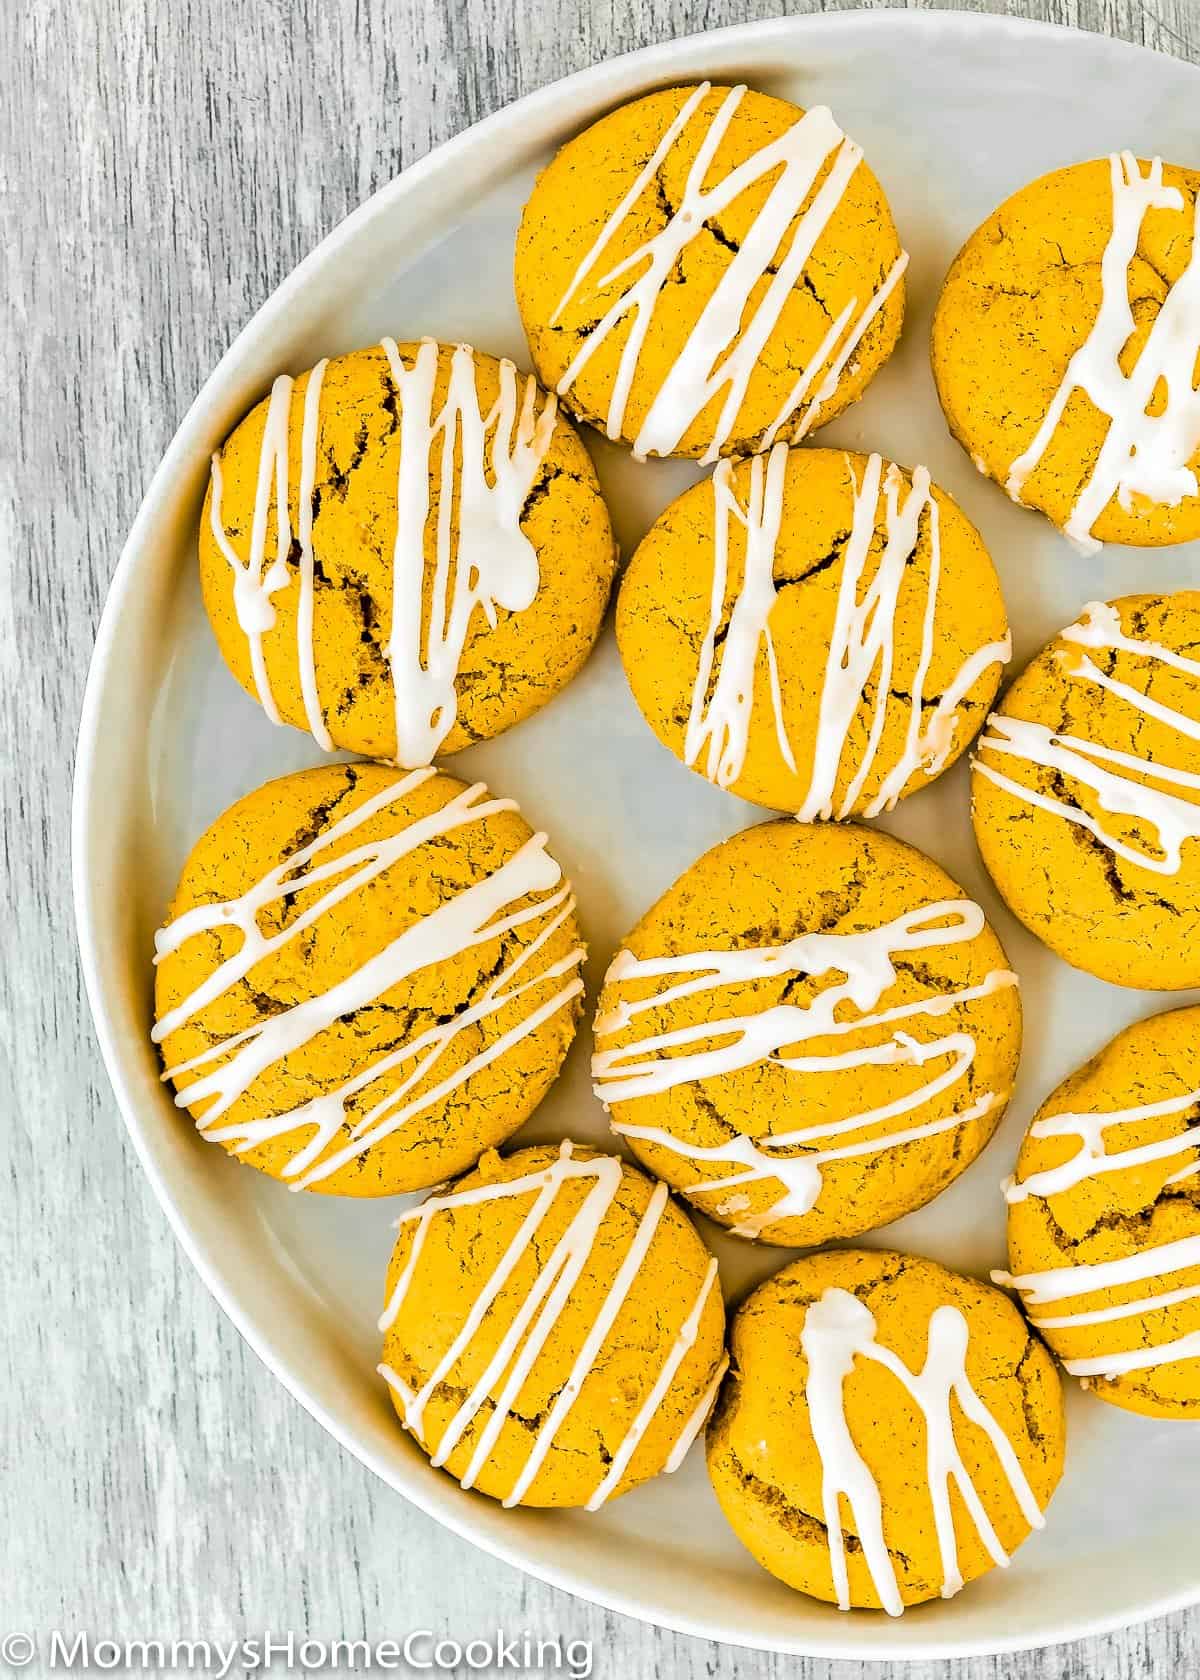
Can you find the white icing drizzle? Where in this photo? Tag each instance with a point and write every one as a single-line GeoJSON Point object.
{"type": "Point", "coordinates": [254, 582]}
{"type": "Point", "coordinates": [1112, 1365]}
{"type": "Point", "coordinates": [666, 1376]}
{"type": "Point", "coordinates": [1065, 1283]}
{"type": "Point", "coordinates": [1106, 1315]}
{"type": "Point", "coordinates": [697, 1420]}
{"type": "Point", "coordinates": [305, 649]}
{"type": "Point", "coordinates": [838, 1329]}
{"type": "Point", "coordinates": [1142, 454]}
{"type": "Point", "coordinates": [800, 1175]}
{"type": "Point", "coordinates": [492, 564]}
{"type": "Point", "coordinates": [829, 383]}
{"type": "Point", "coordinates": [1093, 1157]}
{"type": "Point", "coordinates": [862, 644]}
{"type": "Point", "coordinates": [1171, 818]}
{"type": "Point", "coordinates": [724, 347]}
{"type": "Point", "coordinates": [656, 1063]}
{"type": "Point", "coordinates": [485, 465]}
{"type": "Point", "coordinates": [722, 721]}
{"type": "Point", "coordinates": [1099, 626]}
{"type": "Point", "coordinates": [253, 585]}
{"type": "Point", "coordinates": [481, 912]}
{"type": "Point", "coordinates": [328, 1113]}
{"type": "Point", "coordinates": [523, 1341]}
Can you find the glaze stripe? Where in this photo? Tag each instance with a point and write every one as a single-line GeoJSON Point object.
{"type": "Point", "coordinates": [253, 581]}
{"type": "Point", "coordinates": [800, 1175]}
{"type": "Point", "coordinates": [698, 1419]}
{"type": "Point", "coordinates": [350, 873]}
{"type": "Point", "coordinates": [455, 926]}
{"type": "Point", "coordinates": [1108, 1315]}
{"type": "Point", "coordinates": [685, 1341]}
{"type": "Point", "coordinates": [306, 603]}
{"type": "Point", "coordinates": [1093, 1156]}
{"type": "Point", "coordinates": [719, 719]}
{"type": "Point", "coordinates": [1062, 1282]}
{"type": "Point", "coordinates": [328, 1114]}
{"type": "Point", "coordinates": [829, 384]}
{"type": "Point", "coordinates": [863, 648]}
{"type": "Point", "coordinates": [1112, 1365]}
{"type": "Point", "coordinates": [1066, 1283]}
{"type": "Point", "coordinates": [491, 562]}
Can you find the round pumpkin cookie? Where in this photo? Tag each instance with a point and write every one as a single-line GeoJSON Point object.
{"type": "Point", "coordinates": [554, 1328]}
{"type": "Point", "coordinates": [746, 574]}
{"type": "Point", "coordinates": [366, 979]}
{"type": "Point", "coordinates": [1065, 345]}
{"type": "Point", "coordinates": [1104, 1219]}
{"type": "Point", "coordinates": [811, 1033]}
{"type": "Point", "coordinates": [888, 1430]}
{"type": "Point", "coordinates": [1086, 792]}
{"type": "Point", "coordinates": [707, 269]}
{"type": "Point", "coordinates": [405, 550]}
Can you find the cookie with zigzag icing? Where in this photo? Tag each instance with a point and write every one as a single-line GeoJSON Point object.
{"type": "Point", "coordinates": [554, 1328]}
{"type": "Point", "coordinates": [815, 630]}
{"type": "Point", "coordinates": [1104, 1219]}
{"type": "Point", "coordinates": [888, 1430]}
{"type": "Point", "coordinates": [365, 978]}
{"type": "Point", "coordinates": [405, 550]}
{"type": "Point", "coordinates": [709, 269]}
{"type": "Point", "coordinates": [811, 1033]}
{"type": "Point", "coordinates": [1065, 348]}
{"type": "Point", "coordinates": [1086, 792]}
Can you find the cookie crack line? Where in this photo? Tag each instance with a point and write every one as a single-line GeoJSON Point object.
{"type": "Point", "coordinates": [734, 246]}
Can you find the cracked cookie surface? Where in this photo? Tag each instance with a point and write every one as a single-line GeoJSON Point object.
{"type": "Point", "coordinates": [811, 1033]}
{"type": "Point", "coordinates": [1025, 295]}
{"type": "Point", "coordinates": [1104, 1218]}
{"type": "Point", "coordinates": [402, 629]}
{"type": "Point", "coordinates": [818, 631]}
{"type": "Point", "coordinates": [637, 207]}
{"type": "Point", "coordinates": [809, 1389]}
{"type": "Point", "coordinates": [1086, 792]}
{"type": "Point", "coordinates": [366, 979]}
{"type": "Point", "coordinates": [554, 1327]}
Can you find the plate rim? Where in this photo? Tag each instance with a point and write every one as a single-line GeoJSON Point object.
{"type": "Point", "coordinates": [622, 75]}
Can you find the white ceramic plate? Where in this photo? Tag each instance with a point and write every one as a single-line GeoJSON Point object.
{"type": "Point", "coordinates": [954, 112]}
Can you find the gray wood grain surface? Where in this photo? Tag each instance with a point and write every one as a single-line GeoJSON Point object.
{"type": "Point", "coordinates": [163, 164]}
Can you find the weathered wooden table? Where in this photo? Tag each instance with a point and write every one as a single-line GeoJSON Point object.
{"type": "Point", "coordinates": [163, 164]}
